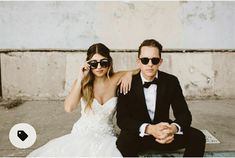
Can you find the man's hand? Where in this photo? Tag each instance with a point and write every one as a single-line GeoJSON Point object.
{"type": "Point", "coordinates": [169, 131]}
{"type": "Point", "coordinates": [163, 132]}
{"type": "Point", "coordinates": [157, 130]}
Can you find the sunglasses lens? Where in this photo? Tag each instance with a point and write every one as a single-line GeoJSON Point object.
{"type": "Point", "coordinates": [104, 63]}
{"type": "Point", "coordinates": [144, 61]}
{"type": "Point", "coordinates": [93, 64]}
{"type": "Point", "coordinates": [155, 61]}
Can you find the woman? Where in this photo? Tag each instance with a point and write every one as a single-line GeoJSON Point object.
{"type": "Point", "coordinates": [93, 134]}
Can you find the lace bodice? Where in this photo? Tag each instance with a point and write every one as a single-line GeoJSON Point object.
{"type": "Point", "coordinates": [92, 135]}
{"type": "Point", "coordinates": [98, 119]}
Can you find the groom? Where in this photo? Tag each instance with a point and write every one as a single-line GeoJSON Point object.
{"type": "Point", "coordinates": [143, 113]}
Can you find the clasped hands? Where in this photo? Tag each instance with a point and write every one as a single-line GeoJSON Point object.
{"type": "Point", "coordinates": [162, 132]}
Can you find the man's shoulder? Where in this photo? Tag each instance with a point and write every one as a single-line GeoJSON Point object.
{"type": "Point", "coordinates": [164, 75]}
{"type": "Point", "coordinates": [136, 75]}
{"type": "Point", "coordinates": [161, 74]}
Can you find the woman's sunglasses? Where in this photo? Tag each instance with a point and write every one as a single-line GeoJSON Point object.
{"type": "Point", "coordinates": [154, 61]}
{"type": "Point", "coordinates": [103, 63]}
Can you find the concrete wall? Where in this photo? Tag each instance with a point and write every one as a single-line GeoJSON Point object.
{"type": "Point", "coordinates": [49, 75]}
{"type": "Point", "coordinates": [120, 25]}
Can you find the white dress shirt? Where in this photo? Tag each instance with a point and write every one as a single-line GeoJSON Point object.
{"type": "Point", "coordinates": [150, 99]}
{"type": "Point", "coordinates": [150, 96]}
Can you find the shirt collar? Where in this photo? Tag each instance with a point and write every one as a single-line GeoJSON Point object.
{"type": "Point", "coordinates": [144, 80]}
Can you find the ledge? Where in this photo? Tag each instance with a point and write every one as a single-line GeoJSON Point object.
{"type": "Point", "coordinates": [119, 50]}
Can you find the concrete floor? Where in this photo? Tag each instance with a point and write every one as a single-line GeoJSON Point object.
{"type": "Point", "coordinates": [51, 121]}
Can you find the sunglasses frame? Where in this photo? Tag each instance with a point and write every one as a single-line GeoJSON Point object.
{"type": "Point", "coordinates": [103, 63]}
{"type": "Point", "coordinates": [154, 60]}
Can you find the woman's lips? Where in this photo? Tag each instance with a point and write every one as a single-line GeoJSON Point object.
{"type": "Point", "coordinates": [99, 71]}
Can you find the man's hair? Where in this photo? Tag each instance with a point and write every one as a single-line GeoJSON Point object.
{"type": "Point", "coordinates": [150, 43]}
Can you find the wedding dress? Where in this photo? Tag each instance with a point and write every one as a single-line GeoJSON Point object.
{"type": "Point", "coordinates": [92, 135]}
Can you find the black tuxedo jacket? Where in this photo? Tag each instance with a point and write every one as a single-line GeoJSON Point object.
{"type": "Point", "coordinates": [132, 110]}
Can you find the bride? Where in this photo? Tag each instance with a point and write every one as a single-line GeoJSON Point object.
{"type": "Point", "coordinates": [93, 134]}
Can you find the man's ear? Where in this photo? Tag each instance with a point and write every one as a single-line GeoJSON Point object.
{"type": "Point", "coordinates": [161, 61]}
{"type": "Point", "coordinates": [138, 62]}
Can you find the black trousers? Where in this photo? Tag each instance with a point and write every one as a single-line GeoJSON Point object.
{"type": "Point", "coordinates": [130, 145]}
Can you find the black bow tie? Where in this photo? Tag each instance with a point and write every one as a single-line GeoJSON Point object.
{"type": "Point", "coordinates": [147, 84]}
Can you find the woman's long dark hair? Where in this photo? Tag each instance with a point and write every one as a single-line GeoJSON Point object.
{"type": "Point", "coordinates": [88, 80]}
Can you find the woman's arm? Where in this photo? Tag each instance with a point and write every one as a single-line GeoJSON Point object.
{"type": "Point", "coordinates": [124, 78]}
{"type": "Point", "coordinates": [72, 100]}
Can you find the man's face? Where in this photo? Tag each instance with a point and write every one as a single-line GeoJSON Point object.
{"type": "Point", "coordinates": [149, 67]}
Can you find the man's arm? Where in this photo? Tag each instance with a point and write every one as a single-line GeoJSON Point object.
{"type": "Point", "coordinates": [180, 108]}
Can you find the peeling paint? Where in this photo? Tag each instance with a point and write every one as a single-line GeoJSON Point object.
{"type": "Point", "coordinates": [131, 6]}
{"type": "Point", "coordinates": [198, 14]}
{"type": "Point", "coordinates": [208, 80]}
{"type": "Point", "coordinates": [193, 84]}
{"type": "Point", "coordinates": [206, 90]}
{"type": "Point", "coordinates": [191, 69]}
{"type": "Point", "coordinates": [215, 73]}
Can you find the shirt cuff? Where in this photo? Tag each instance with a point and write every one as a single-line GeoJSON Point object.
{"type": "Point", "coordinates": [178, 129]}
{"type": "Point", "coordinates": [142, 130]}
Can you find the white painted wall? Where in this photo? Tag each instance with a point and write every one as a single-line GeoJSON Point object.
{"type": "Point", "coordinates": [120, 25]}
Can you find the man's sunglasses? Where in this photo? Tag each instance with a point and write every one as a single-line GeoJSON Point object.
{"type": "Point", "coordinates": [103, 63]}
{"type": "Point", "coordinates": [154, 61]}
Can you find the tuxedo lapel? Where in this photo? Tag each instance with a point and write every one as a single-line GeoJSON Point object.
{"type": "Point", "coordinates": [138, 89]}
{"type": "Point", "coordinates": [161, 87]}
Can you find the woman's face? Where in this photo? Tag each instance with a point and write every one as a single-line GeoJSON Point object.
{"type": "Point", "coordinates": [99, 65]}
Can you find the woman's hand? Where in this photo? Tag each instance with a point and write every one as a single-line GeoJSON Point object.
{"type": "Point", "coordinates": [84, 70]}
{"type": "Point", "coordinates": [125, 82]}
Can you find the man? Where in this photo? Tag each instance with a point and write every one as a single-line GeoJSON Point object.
{"type": "Point", "coordinates": [143, 113]}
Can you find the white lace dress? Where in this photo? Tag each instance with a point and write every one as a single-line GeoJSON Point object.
{"type": "Point", "coordinates": [92, 135]}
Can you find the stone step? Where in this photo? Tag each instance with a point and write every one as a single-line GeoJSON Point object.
{"type": "Point", "coordinates": [180, 154]}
